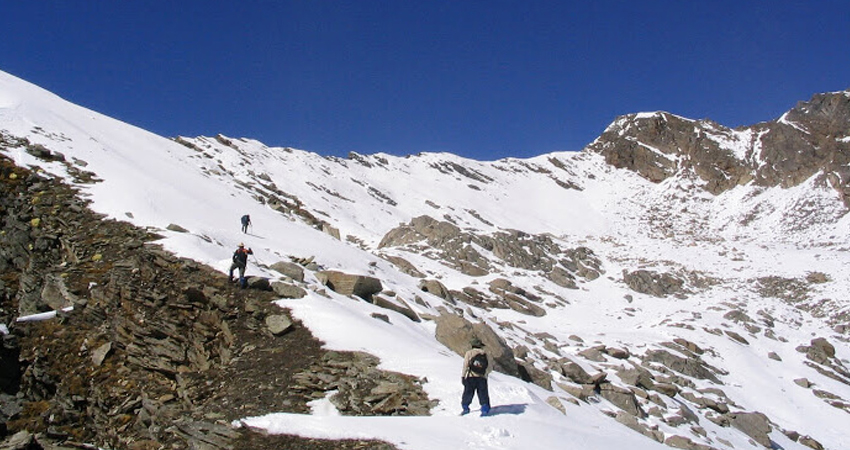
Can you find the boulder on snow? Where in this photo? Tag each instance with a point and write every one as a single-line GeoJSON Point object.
{"type": "Point", "coordinates": [455, 332]}
{"type": "Point", "coordinates": [403, 309]}
{"type": "Point", "coordinates": [287, 290]}
{"type": "Point", "coordinates": [176, 228]}
{"type": "Point", "coordinates": [346, 284]}
{"type": "Point", "coordinates": [753, 424]}
{"type": "Point", "coordinates": [289, 269]}
{"type": "Point", "coordinates": [436, 288]}
{"type": "Point", "coordinates": [529, 373]}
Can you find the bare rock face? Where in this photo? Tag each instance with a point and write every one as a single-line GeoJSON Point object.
{"type": "Point", "coordinates": [806, 140]}
{"type": "Point", "coordinates": [654, 145]}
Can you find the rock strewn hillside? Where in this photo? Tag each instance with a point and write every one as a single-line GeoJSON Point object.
{"type": "Point", "coordinates": [158, 351]}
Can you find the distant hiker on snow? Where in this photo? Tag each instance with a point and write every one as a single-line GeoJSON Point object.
{"type": "Point", "coordinates": [246, 220]}
{"type": "Point", "coordinates": [476, 367]}
{"type": "Point", "coordinates": [240, 261]}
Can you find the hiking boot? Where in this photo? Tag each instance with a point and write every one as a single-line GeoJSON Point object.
{"type": "Point", "coordinates": [465, 410]}
{"type": "Point", "coordinates": [485, 410]}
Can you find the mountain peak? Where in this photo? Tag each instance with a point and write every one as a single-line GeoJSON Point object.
{"type": "Point", "coordinates": [809, 139]}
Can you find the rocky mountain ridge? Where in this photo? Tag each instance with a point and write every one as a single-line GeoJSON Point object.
{"type": "Point", "coordinates": [647, 300]}
{"type": "Point", "coordinates": [810, 139]}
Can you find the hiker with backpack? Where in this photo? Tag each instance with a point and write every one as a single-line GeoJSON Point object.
{"type": "Point", "coordinates": [240, 261]}
{"type": "Point", "coordinates": [476, 367]}
{"type": "Point", "coordinates": [246, 220]}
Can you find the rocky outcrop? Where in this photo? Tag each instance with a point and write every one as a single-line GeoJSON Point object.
{"type": "Point", "coordinates": [808, 140]}
{"type": "Point", "coordinates": [653, 283]}
{"type": "Point", "coordinates": [511, 247]}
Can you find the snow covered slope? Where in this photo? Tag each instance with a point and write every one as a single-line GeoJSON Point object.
{"type": "Point", "coordinates": [716, 298]}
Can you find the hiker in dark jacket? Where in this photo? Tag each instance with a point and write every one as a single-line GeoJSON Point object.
{"type": "Point", "coordinates": [240, 261]}
{"type": "Point", "coordinates": [246, 220]}
{"type": "Point", "coordinates": [476, 367]}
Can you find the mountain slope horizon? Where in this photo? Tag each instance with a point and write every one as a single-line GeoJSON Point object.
{"type": "Point", "coordinates": [676, 259]}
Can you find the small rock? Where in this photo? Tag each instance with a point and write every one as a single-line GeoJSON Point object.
{"type": "Point", "coordinates": [593, 354]}
{"type": "Point", "coordinates": [667, 389]}
{"type": "Point", "coordinates": [382, 317]}
{"type": "Point", "coordinates": [556, 403]}
{"type": "Point", "coordinates": [100, 354]}
{"type": "Point", "coordinates": [803, 382]}
{"type": "Point", "coordinates": [618, 353]}
{"type": "Point", "coordinates": [176, 228]}
{"type": "Point", "coordinates": [811, 443]}
{"type": "Point", "coordinates": [737, 337]}
{"type": "Point", "coordinates": [278, 324]}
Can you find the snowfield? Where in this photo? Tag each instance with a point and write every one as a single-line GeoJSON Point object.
{"type": "Point", "coordinates": [732, 240]}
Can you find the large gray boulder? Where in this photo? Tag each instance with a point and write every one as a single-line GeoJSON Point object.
{"type": "Point", "coordinates": [820, 351]}
{"type": "Point", "coordinates": [754, 425]}
{"type": "Point", "coordinates": [346, 284]}
{"type": "Point", "coordinates": [287, 290]}
{"type": "Point", "coordinates": [403, 309]}
{"type": "Point", "coordinates": [455, 332]}
{"type": "Point", "coordinates": [288, 269]}
{"type": "Point", "coordinates": [436, 288]}
{"type": "Point", "coordinates": [622, 398]}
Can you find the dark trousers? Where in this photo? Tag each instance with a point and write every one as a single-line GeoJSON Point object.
{"type": "Point", "coordinates": [473, 385]}
{"type": "Point", "coordinates": [234, 266]}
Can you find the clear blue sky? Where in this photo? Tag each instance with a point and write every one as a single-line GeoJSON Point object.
{"type": "Point", "coordinates": [482, 79]}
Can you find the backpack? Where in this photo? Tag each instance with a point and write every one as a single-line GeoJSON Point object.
{"type": "Point", "coordinates": [478, 364]}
